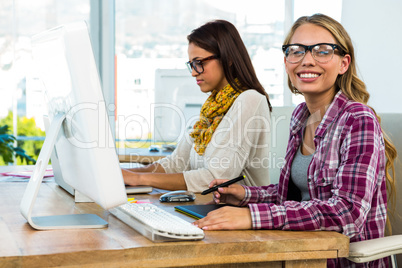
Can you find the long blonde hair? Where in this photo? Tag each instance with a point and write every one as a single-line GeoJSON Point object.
{"type": "Point", "coordinates": [354, 88]}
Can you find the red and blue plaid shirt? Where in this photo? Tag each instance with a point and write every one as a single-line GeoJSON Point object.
{"type": "Point", "coordinates": [346, 179]}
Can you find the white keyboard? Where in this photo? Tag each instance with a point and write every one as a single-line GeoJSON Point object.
{"type": "Point", "coordinates": [155, 223]}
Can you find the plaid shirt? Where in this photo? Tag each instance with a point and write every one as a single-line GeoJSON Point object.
{"type": "Point", "coordinates": [346, 179]}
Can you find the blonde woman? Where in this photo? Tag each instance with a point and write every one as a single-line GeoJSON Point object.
{"type": "Point", "coordinates": [337, 160]}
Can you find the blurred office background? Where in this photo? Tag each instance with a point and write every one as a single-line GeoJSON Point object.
{"type": "Point", "coordinates": [141, 49]}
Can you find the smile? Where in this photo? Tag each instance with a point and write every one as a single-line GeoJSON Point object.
{"type": "Point", "coordinates": [309, 75]}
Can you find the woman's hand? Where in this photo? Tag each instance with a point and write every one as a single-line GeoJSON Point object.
{"type": "Point", "coordinates": [226, 218]}
{"type": "Point", "coordinates": [233, 194]}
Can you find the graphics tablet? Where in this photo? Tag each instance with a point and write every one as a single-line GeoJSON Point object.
{"type": "Point", "coordinates": [198, 211]}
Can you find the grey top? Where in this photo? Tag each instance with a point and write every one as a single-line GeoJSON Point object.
{"type": "Point", "coordinates": [298, 173]}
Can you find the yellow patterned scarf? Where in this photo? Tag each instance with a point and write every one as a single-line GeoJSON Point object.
{"type": "Point", "coordinates": [212, 112]}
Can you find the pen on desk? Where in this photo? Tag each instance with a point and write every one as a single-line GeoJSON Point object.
{"type": "Point", "coordinates": [225, 184]}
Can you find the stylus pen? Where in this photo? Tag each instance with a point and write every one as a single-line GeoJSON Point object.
{"type": "Point", "coordinates": [225, 184]}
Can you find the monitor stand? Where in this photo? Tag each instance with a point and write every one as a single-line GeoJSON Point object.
{"type": "Point", "coordinates": [70, 221]}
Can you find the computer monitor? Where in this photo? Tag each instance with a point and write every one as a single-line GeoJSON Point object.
{"type": "Point", "coordinates": [79, 133]}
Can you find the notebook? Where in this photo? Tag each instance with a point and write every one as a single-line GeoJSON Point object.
{"type": "Point", "coordinates": [198, 211]}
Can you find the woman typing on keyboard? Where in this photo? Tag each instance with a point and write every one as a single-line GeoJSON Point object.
{"type": "Point", "coordinates": [335, 171]}
{"type": "Point", "coordinates": [232, 135]}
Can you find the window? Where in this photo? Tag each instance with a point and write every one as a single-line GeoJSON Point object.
{"type": "Point", "coordinates": [19, 96]}
{"type": "Point", "coordinates": [156, 97]}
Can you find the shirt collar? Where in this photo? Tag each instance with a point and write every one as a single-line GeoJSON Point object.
{"type": "Point", "coordinates": [334, 110]}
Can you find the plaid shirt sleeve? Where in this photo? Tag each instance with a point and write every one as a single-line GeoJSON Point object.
{"type": "Point", "coordinates": [259, 194]}
{"type": "Point", "coordinates": [347, 192]}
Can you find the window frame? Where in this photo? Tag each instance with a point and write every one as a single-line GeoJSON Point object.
{"type": "Point", "coordinates": [102, 31]}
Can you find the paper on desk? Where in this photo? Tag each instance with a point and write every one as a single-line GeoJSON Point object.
{"type": "Point", "coordinates": [27, 173]}
{"type": "Point", "coordinates": [22, 175]}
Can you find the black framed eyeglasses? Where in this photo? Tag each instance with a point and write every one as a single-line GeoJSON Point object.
{"type": "Point", "coordinates": [322, 52]}
{"type": "Point", "coordinates": [197, 64]}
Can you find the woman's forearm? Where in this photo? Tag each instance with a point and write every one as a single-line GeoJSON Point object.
{"type": "Point", "coordinates": [145, 176]}
{"type": "Point", "coordinates": [152, 168]}
{"type": "Point", "coordinates": [171, 181]}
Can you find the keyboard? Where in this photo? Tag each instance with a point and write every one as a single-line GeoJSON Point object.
{"type": "Point", "coordinates": [155, 223]}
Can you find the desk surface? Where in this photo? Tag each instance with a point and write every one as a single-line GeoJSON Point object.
{"type": "Point", "coordinates": [119, 245]}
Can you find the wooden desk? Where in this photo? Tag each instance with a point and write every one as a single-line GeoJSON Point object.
{"type": "Point", "coordinates": [119, 245]}
{"type": "Point", "coordinates": [140, 155]}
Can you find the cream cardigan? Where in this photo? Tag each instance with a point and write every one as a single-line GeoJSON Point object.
{"type": "Point", "coordinates": [239, 145]}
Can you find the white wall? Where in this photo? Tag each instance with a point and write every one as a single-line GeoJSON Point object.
{"type": "Point", "coordinates": [376, 31]}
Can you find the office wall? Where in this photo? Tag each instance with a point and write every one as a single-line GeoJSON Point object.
{"type": "Point", "coordinates": [376, 31]}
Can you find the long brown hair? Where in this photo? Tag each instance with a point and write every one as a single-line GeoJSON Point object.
{"type": "Point", "coordinates": [221, 38]}
{"type": "Point", "coordinates": [354, 88]}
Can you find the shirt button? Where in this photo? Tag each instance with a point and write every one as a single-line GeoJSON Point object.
{"type": "Point", "coordinates": [322, 180]}
{"type": "Point", "coordinates": [309, 180]}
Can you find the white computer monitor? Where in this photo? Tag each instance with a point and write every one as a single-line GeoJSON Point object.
{"type": "Point", "coordinates": [79, 133]}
